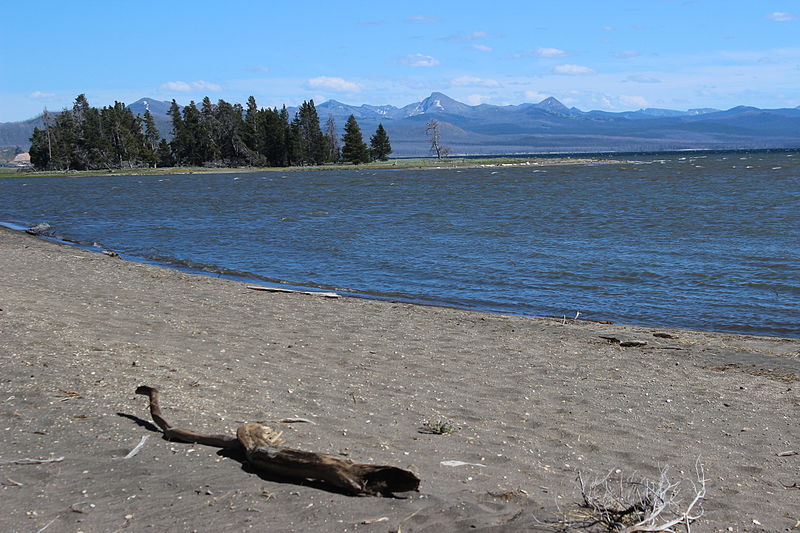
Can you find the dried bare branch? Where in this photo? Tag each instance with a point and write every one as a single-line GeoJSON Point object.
{"type": "Point", "coordinates": [633, 505]}
{"type": "Point", "coordinates": [138, 447]}
{"type": "Point", "coordinates": [262, 448]}
{"type": "Point", "coordinates": [27, 461]}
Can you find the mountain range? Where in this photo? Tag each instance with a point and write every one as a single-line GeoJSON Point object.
{"type": "Point", "coordinates": [545, 127]}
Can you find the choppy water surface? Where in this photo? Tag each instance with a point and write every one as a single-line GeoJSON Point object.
{"type": "Point", "coordinates": [701, 241]}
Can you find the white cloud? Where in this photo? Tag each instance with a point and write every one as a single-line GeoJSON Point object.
{"type": "Point", "coordinates": [608, 28]}
{"type": "Point", "coordinates": [179, 86]}
{"type": "Point", "coordinates": [482, 47]}
{"type": "Point", "coordinates": [334, 84]}
{"type": "Point", "coordinates": [476, 99]}
{"type": "Point", "coordinates": [422, 18]}
{"type": "Point", "coordinates": [259, 68]}
{"type": "Point", "coordinates": [40, 94]}
{"type": "Point", "coordinates": [183, 87]}
{"type": "Point", "coordinates": [573, 70]}
{"type": "Point", "coordinates": [200, 84]}
{"type": "Point", "coordinates": [745, 57]}
{"type": "Point", "coordinates": [633, 101]}
{"type": "Point", "coordinates": [781, 16]}
{"type": "Point", "coordinates": [541, 52]}
{"type": "Point", "coordinates": [611, 102]}
{"type": "Point", "coordinates": [625, 54]}
{"type": "Point", "coordinates": [420, 60]}
{"type": "Point", "coordinates": [535, 96]}
{"type": "Point", "coordinates": [479, 34]}
{"type": "Point", "coordinates": [472, 81]}
{"type": "Point", "coordinates": [550, 52]}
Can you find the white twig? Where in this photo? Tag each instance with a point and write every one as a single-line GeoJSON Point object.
{"type": "Point", "coordinates": [375, 520]}
{"type": "Point", "coordinates": [138, 447]}
{"type": "Point", "coordinates": [650, 523]}
{"type": "Point", "coordinates": [460, 463]}
{"type": "Point", "coordinates": [46, 525]}
{"type": "Point", "coordinates": [326, 294]}
{"type": "Point", "coordinates": [27, 461]}
{"type": "Point", "coordinates": [297, 420]}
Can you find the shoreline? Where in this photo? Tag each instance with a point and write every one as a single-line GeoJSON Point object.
{"type": "Point", "coordinates": [240, 277]}
{"type": "Point", "coordinates": [403, 163]}
{"type": "Point", "coordinates": [416, 163]}
{"type": "Point", "coordinates": [534, 401]}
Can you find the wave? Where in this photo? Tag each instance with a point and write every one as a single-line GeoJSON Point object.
{"type": "Point", "coordinates": [777, 288]}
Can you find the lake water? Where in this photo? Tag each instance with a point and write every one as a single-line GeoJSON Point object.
{"type": "Point", "coordinates": [707, 241]}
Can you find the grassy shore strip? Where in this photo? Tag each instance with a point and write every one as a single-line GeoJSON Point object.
{"type": "Point", "coordinates": [416, 163]}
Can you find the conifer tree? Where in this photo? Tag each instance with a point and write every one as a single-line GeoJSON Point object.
{"type": "Point", "coordinates": [355, 150]}
{"type": "Point", "coordinates": [165, 157]}
{"type": "Point", "coordinates": [124, 135]}
{"type": "Point", "coordinates": [39, 150]}
{"type": "Point", "coordinates": [65, 141]}
{"type": "Point", "coordinates": [272, 128]}
{"type": "Point", "coordinates": [52, 148]}
{"type": "Point", "coordinates": [379, 144]}
{"type": "Point", "coordinates": [91, 148]}
{"type": "Point", "coordinates": [152, 139]}
{"type": "Point", "coordinates": [309, 143]}
{"type": "Point", "coordinates": [190, 152]}
{"type": "Point", "coordinates": [229, 133]}
{"type": "Point", "coordinates": [95, 142]}
{"type": "Point", "coordinates": [251, 130]}
{"type": "Point", "coordinates": [294, 148]}
{"type": "Point", "coordinates": [207, 133]}
{"type": "Point", "coordinates": [84, 135]}
{"type": "Point", "coordinates": [179, 137]}
{"type": "Point", "coordinates": [86, 138]}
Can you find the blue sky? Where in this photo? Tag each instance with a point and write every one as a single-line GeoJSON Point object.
{"type": "Point", "coordinates": [612, 55]}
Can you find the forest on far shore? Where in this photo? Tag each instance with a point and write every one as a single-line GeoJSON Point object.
{"type": "Point", "coordinates": [212, 135]}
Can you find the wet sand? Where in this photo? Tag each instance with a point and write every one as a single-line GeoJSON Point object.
{"type": "Point", "coordinates": [534, 401]}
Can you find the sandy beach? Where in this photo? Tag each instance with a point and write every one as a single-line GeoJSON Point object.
{"type": "Point", "coordinates": [532, 402]}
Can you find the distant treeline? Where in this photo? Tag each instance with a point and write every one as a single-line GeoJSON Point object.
{"type": "Point", "coordinates": [221, 135]}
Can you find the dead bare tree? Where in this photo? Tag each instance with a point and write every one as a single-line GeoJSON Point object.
{"type": "Point", "coordinates": [432, 130]}
{"type": "Point", "coordinates": [332, 140]}
{"type": "Point", "coordinates": [46, 118]}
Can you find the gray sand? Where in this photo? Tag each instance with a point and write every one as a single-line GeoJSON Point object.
{"type": "Point", "coordinates": [535, 401]}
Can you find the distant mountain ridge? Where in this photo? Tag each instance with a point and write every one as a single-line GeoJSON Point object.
{"type": "Point", "coordinates": [156, 107]}
{"type": "Point", "coordinates": [545, 127]}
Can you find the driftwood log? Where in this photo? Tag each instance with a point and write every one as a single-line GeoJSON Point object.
{"type": "Point", "coordinates": [262, 448]}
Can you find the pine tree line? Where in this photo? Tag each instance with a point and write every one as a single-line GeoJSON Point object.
{"type": "Point", "coordinates": [221, 134]}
